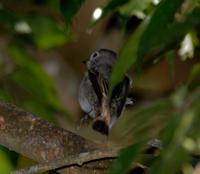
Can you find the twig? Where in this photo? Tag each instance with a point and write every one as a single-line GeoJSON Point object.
{"type": "Point", "coordinates": [69, 161]}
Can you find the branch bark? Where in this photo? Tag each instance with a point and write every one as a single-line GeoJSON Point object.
{"type": "Point", "coordinates": [40, 140]}
{"type": "Point", "coordinates": [70, 160]}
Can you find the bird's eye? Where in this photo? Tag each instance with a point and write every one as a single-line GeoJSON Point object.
{"type": "Point", "coordinates": [95, 54]}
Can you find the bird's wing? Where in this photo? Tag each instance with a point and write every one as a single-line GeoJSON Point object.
{"type": "Point", "coordinates": [119, 96]}
{"type": "Point", "coordinates": [99, 84]}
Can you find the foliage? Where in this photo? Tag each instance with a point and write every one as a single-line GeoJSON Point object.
{"type": "Point", "coordinates": [174, 119]}
{"type": "Point", "coordinates": [5, 164]}
{"type": "Point", "coordinates": [69, 9]}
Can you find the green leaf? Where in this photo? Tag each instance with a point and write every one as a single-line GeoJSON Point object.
{"type": "Point", "coordinates": [69, 8]}
{"type": "Point", "coordinates": [174, 156]}
{"type": "Point", "coordinates": [165, 29]}
{"type": "Point", "coordinates": [5, 164]}
{"type": "Point", "coordinates": [194, 73]}
{"type": "Point", "coordinates": [46, 33]}
{"type": "Point", "coordinates": [38, 109]}
{"type": "Point", "coordinates": [178, 98]}
{"type": "Point", "coordinates": [126, 156]}
{"type": "Point", "coordinates": [194, 17]}
{"type": "Point", "coordinates": [161, 31]}
{"type": "Point", "coordinates": [170, 60]}
{"type": "Point", "coordinates": [7, 18]}
{"type": "Point", "coordinates": [113, 4]}
{"type": "Point", "coordinates": [135, 7]}
{"type": "Point", "coordinates": [52, 4]}
{"type": "Point", "coordinates": [170, 162]}
{"type": "Point", "coordinates": [5, 95]}
{"type": "Point", "coordinates": [128, 55]}
{"type": "Point", "coordinates": [153, 37]}
{"type": "Point", "coordinates": [32, 78]}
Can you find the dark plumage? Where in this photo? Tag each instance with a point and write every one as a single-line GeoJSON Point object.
{"type": "Point", "coordinates": [93, 93]}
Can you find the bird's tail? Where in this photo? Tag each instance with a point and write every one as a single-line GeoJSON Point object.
{"type": "Point", "coordinates": [102, 122]}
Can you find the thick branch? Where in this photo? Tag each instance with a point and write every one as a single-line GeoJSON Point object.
{"type": "Point", "coordinates": [37, 139]}
{"type": "Point", "coordinates": [45, 143]}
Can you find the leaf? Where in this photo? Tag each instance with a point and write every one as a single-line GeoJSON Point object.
{"type": "Point", "coordinates": [170, 60]}
{"type": "Point", "coordinates": [7, 18]}
{"type": "Point", "coordinates": [38, 109]}
{"type": "Point", "coordinates": [46, 33]}
{"type": "Point", "coordinates": [52, 4]}
{"type": "Point", "coordinates": [32, 78]}
{"type": "Point", "coordinates": [5, 164]}
{"type": "Point", "coordinates": [164, 31]}
{"type": "Point", "coordinates": [127, 56]}
{"type": "Point", "coordinates": [5, 95]}
{"type": "Point", "coordinates": [69, 8]}
{"type": "Point", "coordinates": [194, 73]}
{"type": "Point", "coordinates": [126, 156]}
{"type": "Point", "coordinates": [178, 98]}
{"type": "Point", "coordinates": [154, 37]}
{"type": "Point", "coordinates": [194, 17]}
{"type": "Point", "coordinates": [113, 4]}
{"type": "Point", "coordinates": [174, 156]}
{"type": "Point", "coordinates": [135, 7]}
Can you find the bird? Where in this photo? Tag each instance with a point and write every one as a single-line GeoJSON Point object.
{"type": "Point", "coordinates": [94, 98]}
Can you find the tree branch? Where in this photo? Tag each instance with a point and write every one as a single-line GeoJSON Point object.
{"type": "Point", "coordinates": [39, 140]}
{"type": "Point", "coordinates": [69, 161]}
{"type": "Point", "coordinates": [51, 146]}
